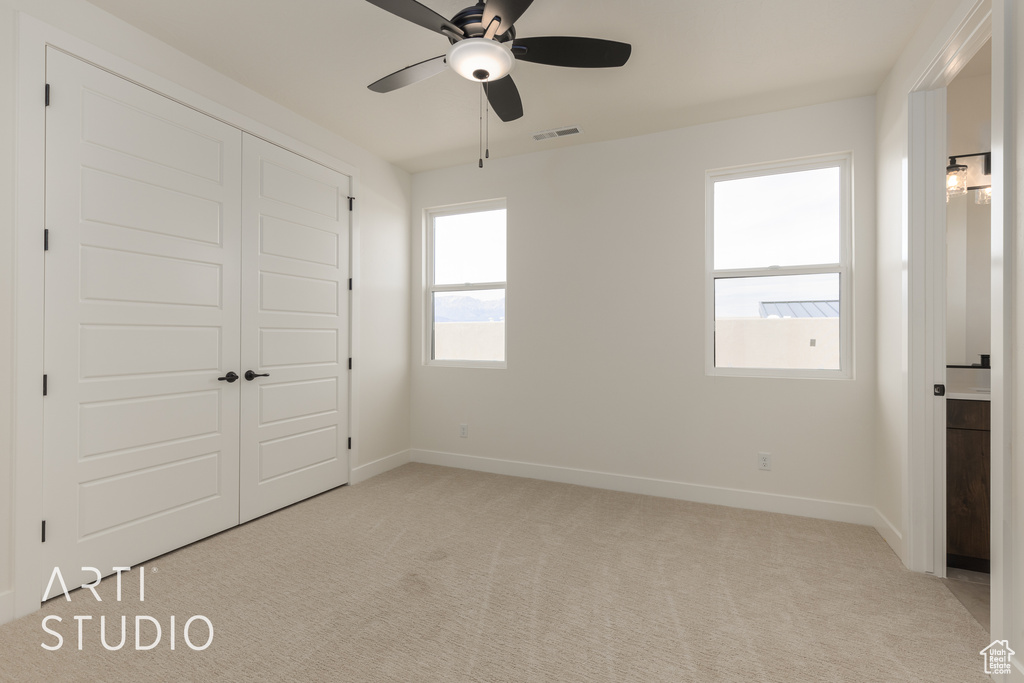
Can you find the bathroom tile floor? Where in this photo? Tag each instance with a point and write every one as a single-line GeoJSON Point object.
{"type": "Point", "coordinates": [972, 590]}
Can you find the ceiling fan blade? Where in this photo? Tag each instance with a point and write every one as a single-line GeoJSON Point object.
{"type": "Point", "coordinates": [410, 10]}
{"type": "Point", "coordinates": [508, 11]}
{"type": "Point", "coordinates": [504, 98]}
{"type": "Point", "coordinates": [583, 53]}
{"type": "Point", "coordinates": [409, 75]}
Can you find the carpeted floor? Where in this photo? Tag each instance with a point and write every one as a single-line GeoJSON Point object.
{"type": "Point", "coordinates": [434, 574]}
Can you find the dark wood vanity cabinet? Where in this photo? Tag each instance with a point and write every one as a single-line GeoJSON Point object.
{"type": "Point", "coordinates": [967, 484]}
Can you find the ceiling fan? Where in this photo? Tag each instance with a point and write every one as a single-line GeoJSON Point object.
{"type": "Point", "coordinates": [484, 48]}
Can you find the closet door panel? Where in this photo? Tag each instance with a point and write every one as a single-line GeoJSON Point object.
{"type": "Point", "coordinates": [295, 303]}
{"type": "Point", "coordinates": [143, 208]}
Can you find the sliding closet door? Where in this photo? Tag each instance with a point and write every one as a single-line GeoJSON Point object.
{"type": "Point", "coordinates": [142, 317]}
{"type": "Point", "coordinates": [295, 269]}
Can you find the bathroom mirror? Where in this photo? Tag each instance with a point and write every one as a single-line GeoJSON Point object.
{"type": "Point", "coordinates": [968, 218]}
{"type": "Point", "coordinates": [968, 280]}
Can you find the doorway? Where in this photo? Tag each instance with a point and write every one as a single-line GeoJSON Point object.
{"type": "Point", "coordinates": [934, 330]}
{"type": "Point", "coordinates": [968, 327]}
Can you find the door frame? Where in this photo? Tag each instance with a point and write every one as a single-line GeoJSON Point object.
{"type": "Point", "coordinates": [926, 292]}
{"type": "Point", "coordinates": [926, 274]}
{"type": "Point", "coordinates": [1007, 561]}
{"type": "Point", "coordinates": [33, 38]}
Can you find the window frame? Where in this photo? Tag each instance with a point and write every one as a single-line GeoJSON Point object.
{"type": "Point", "coordinates": [429, 288]}
{"type": "Point", "coordinates": [844, 267]}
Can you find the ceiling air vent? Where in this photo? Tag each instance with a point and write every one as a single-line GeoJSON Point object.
{"type": "Point", "coordinates": [557, 133]}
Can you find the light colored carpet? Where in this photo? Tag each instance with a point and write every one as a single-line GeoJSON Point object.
{"type": "Point", "coordinates": [434, 574]}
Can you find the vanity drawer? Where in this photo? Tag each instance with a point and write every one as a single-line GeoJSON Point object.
{"type": "Point", "coordinates": [962, 414]}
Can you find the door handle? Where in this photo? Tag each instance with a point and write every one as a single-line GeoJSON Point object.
{"type": "Point", "coordinates": [250, 375]}
{"type": "Point", "coordinates": [229, 378]}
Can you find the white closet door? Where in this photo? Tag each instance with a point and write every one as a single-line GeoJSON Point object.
{"type": "Point", "coordinates": [295, 265]}
{"type": "Point", "coordinates": [142, 316]}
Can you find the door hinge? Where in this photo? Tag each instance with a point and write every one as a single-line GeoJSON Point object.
{"type": "Point", "coordinates": [47, 97]}
{"type": "Point", "coordinates": [350, 284]}
{"type": "Point", "coordinates": [349, 363]}
{"type": "Point", "coordinates": [46, 239]}
{"type": "Point", "coordinates": [44, 385]}
{"type": "Point", "coordinates": [350, 200]}
{"type": "Point", "coordinates": [44, 531]}
{"type": "Point", "coordinates": [350, 443]}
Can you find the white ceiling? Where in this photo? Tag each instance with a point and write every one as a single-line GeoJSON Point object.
{"type": "Point", "coordinates": [693, 62]}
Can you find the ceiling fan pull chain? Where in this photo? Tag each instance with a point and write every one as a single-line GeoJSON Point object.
{"type": "Point", "coordinates": [481, 128]}
{"type": "Point", "coordinates": [487, 121]}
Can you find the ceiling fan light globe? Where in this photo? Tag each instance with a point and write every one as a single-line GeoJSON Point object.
{"type": "Point", "coordinates": [480, 60]}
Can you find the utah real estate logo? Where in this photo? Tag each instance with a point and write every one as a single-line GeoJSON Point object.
{"type": "Point", "coordinates": [997, 657]}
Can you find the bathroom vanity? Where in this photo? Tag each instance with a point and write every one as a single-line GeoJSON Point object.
{"type": "Point", "coordinates": [968, 469]}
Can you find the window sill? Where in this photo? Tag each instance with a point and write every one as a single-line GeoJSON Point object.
{"type": "Point", "coordinates": [778, 373]}
{"type": "Point", "coordinates": [484, 364]}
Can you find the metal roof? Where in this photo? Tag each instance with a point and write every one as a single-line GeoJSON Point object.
{"type": "Point", "coordinates": [800, 309]}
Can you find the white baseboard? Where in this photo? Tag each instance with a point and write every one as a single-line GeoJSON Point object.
{"type": "Point", "coordinates": [888, 531]}
{"type": "Point", "coordinates": [372, 469]}
{"type": "Point", "coordinates": [698, 493]}
{"type": "Point", "coordinates": [6, 607]}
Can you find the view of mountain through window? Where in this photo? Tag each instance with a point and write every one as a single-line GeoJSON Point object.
{"type": "Point", "coordinates": [467, 287]}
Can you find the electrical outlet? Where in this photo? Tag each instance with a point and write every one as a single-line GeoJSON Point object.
{"type": "Point", "coordinates": [764, 461]}
{"type": "Point", "coordinates": [464, 431]}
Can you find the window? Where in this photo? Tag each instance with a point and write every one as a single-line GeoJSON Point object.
{"type": "Point", "coordinates": [779, 243]}
{"type": "Point", "coordinates": [466, 285]}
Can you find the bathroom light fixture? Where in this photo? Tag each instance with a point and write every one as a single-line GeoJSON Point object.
{"type": "Point", "coordinates": [956, 177]}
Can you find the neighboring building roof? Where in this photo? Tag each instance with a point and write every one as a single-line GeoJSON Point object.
{"type": "Point", "coordinates": [800, 309]}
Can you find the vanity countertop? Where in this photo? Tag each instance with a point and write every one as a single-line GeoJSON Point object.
{"type": "Point", "coordinates": [968, 395]}
{"type": "Point", "coordinates": [969, 384]}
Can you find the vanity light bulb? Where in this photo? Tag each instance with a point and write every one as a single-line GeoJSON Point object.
{"type": "Point", "coordinates": [983, 196]}
{"type": "Point", "coordinates": [956, 180]}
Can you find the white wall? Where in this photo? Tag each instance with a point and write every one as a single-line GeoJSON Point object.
{"type": "Point", "coordinates": [956, 279]}
{"type": "Point", "coordinates": [979, 281]}
{"type": "Point", "coordinates": [381, 405]}
{"type": "Point", "coordinates": [607, 240]}
{"type": "Point", "coordinates": [969, 113]}
{"type": "Point", "coordinates": [7, 196]}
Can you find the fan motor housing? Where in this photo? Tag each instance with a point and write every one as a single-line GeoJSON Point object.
{"type": "Point", "coordinates": [470, 20]}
